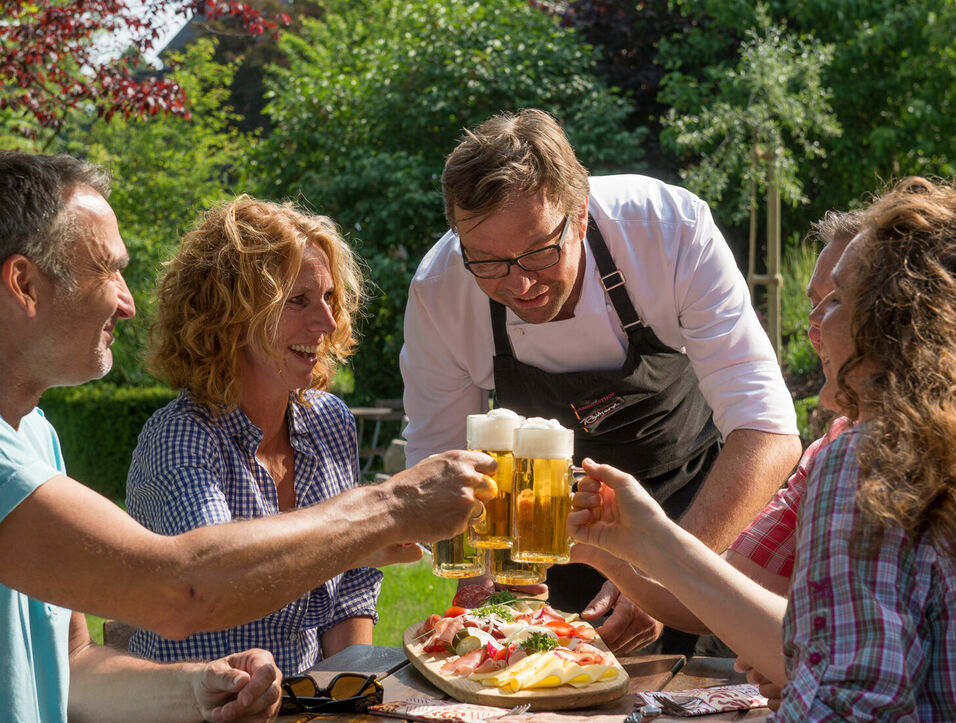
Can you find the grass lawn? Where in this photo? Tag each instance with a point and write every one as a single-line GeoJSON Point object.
{"type": "Point", "coordinates": [409, 594]}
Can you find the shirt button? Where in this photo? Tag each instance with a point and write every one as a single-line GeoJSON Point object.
{"type": "Point", "coordinates": [815, 658]}
{"type": "Point", "coordinates": [819, 622]}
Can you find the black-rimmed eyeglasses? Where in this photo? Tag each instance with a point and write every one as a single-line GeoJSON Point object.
{"type": "Point", "coordinates": [538, 260]}
{"type": "Point", "coordinates": [346, 693]}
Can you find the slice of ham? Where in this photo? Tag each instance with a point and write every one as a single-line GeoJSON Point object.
{"type": "Point", "coordinates": [489, 665]}
{"type": "Point", "coordinates": [446, 628]}
{"type": "Point", "coordinates": [429, 624]}
{"type": "Point", "coordinates": [464, 664]}
{"type": "Point", "coordinates": [516, 654]}
{"type": "Point", "coordinates": [443, 633]}
{"type": "Point", "coordinates": [583, 654]}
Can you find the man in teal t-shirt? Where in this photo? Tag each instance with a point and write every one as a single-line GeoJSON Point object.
{"type": "Point", "coordinates": [59, 251]}
{"type": "Point", "coordinates": [34, 667]}
{"type": "Point", "coordinates": [62, 294]}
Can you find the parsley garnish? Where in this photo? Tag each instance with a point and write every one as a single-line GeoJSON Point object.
{"type": "Point", "coordinates": [502, 596]}
{"type": "Point", "coordinates": [538, 642]}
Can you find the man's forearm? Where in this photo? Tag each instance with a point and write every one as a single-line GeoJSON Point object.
{"type": "Point", "coordinates": [72, 547]}
{"type": "Point", "coordinates": [144, 691]}
{"type": "Point", "coordinates": [107, 685]}
{"type": "Point", "coordinates": [751, 466]}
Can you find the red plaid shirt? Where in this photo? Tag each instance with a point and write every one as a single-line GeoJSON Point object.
{"type": "Point", "coordinates": [770, 540]}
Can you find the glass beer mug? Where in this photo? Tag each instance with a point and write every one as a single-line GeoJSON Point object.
{"type": "Point", "coordinates": [493, 433]}
{"type": "Point", "coordinates": [456, 557]}
{"type": "Point", "coordinates": [502, 569]}
{"type": "Point", "coordinates": [542, 491]}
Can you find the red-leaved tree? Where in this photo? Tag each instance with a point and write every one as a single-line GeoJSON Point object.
{"type": "Point", "coordinates": [49, 63]}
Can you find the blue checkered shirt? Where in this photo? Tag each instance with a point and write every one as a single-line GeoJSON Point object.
{"type": "Point", "coordinates": [192, 468]}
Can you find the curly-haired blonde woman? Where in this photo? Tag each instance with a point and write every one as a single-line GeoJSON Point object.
{"type": "Point", "coordinates": [254, 312]}
{"type": "Point", "coordinates": [868, 631]}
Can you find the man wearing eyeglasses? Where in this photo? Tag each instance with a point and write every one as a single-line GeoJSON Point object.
{"type": "Point", "coordinates": [614, 305]}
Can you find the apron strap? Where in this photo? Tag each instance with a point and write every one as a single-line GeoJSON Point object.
{"type": "Point", "coordinates": [500, 329]}
{"type": "Point", "coordinates": [612, 280]}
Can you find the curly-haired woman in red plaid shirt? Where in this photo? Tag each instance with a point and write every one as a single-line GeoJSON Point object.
{"type": "Point", "coordinates": [869, 629]}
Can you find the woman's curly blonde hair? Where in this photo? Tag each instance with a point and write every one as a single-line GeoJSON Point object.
{"type": "Point", "coordinates": [227, 288]}
{"type": "Point", "coordinates": [904, 325]}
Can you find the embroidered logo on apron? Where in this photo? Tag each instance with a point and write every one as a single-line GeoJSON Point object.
{"type": "Point", "coordinates": [590, 413]}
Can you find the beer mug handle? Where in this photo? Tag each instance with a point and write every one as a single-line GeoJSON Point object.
{"type": "Point", "coordinates": [479, 521]}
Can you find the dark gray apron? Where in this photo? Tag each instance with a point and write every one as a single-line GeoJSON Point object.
{"type": "Point", "coordinates": [647, 418]}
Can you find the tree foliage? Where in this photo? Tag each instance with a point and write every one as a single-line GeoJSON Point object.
{"type": "Point", "coordinates": [627, 34]}
{"type": "Point", "coordinates": [889, 78]}
{"type": "Point", "coordinates": [376, 95]}
{"type": "Point", "coordinates": [50, 65]}
{"type": "Point", "coordinates": [772, 101]}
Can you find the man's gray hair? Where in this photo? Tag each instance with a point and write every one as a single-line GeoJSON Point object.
{"type": "Point", "coordinates": [843, 225]}
{"type": "Point", "coordinates": [33, 193]}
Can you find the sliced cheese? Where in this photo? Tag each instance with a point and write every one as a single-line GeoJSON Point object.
{"type": "Point", "coordinates": [544, 670]}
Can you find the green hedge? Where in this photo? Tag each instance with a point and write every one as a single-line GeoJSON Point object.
{"type": "Point", "coordinates": [98, 425]}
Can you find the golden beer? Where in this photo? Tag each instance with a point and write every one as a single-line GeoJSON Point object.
{"type": "Point", "coordinates": [542, 492]}
{"type": "Point", "coordinates": [456, 557]}
{"type": "Point", "coordinates": [506, 571]}
{"type": "Point", "coordinates": [493, 434]}
{"type": "Point", "coordinates": [495, 529]}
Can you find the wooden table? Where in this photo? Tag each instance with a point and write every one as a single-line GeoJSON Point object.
{"type": "Point", "coordinates": [647, 673]}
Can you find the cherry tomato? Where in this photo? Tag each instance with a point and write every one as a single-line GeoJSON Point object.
{"type": "Point", "coordinates": [454, 611]}
{"type": "Point", "coordinates": [560, 628]}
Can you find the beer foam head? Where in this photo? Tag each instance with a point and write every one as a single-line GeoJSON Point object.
{"type": "Point", "coordinates": [494, 431]}
{"type": "Point", "coordinates": [543, 439]}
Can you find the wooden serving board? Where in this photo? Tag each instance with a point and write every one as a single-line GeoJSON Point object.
{"type": "Point", "coordinates": [472, 691]}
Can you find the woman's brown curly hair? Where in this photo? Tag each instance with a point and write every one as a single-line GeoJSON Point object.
{"type": "Point", "coordinates": [227, 288]}
{"type": "Point", "coordinates": [904, 325]}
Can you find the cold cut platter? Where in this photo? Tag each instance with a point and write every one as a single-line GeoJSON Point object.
{"type": "Point", "coordinates": [506, 651]}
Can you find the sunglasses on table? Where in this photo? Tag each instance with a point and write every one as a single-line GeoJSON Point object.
{"type": "Point", "coordinates": [345, 693]}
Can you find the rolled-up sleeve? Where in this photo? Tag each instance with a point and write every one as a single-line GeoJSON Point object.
{"type": "Point", "coordinates": [355, 595]}
{"type": "Point", "coordinates": [440, 389]}
{"type": "Point", "coordinates": [732, 356]}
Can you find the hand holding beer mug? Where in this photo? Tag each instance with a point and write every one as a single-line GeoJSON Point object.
{"type": "Point", "coordinates": [458, 556]}
{"type": "Point", "coordinates": [493, 433]}
{"type": "Point", "coordinates": [542, 491]}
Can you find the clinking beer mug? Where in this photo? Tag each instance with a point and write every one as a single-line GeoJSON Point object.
{"type": "Point", "coordinates": [542, 491]}
{"type": "Point", "coordinates": [456, 557]}
{"type": "Point", "coordinates": [493, 434]}
{"type": "Point", "coordinates": [506, 571]}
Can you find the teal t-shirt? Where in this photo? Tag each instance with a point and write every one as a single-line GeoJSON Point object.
{"type": "Point", "coordinates": [34, 635]}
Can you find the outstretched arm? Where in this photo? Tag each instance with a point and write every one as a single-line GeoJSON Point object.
{"type": "Point", "coordinates": [656, 600]}
{"type": "Point", "coordinates": [219, 576]}
{"type": "Point", "coordinates": [749, 468]}
{"type": "Point", "coordinates": [614, 512]}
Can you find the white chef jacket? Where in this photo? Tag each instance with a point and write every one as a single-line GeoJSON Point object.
{"type": "Point", "coordinates": [681, 277]}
